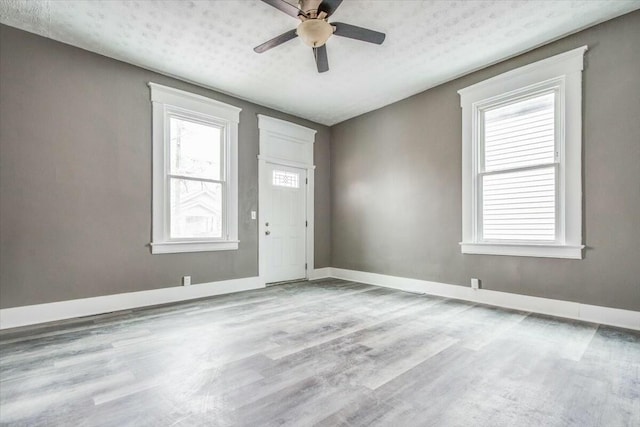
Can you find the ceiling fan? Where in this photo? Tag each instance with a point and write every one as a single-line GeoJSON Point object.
{"type": "Point", "coordinates": [314, 30]}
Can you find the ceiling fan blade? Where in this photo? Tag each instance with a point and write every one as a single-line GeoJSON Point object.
{"type": "Point", "coordinates": [329, 6]}
{"type": "Point", "coordinates": [276, 41]}
{"type": "Point", "coordinates": [285, 7]}
{"type": "Point", "coordinates": [320, 54]}
{"type": "Point", "coordinates": [358, 33]}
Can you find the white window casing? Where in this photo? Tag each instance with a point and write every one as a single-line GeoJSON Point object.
{"type": "Point", "coordinates": [169, 103]}
{"type": "Point", "coordinates": [548, 221]}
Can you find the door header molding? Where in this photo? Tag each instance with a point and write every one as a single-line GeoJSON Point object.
{"type": "Point", "coordinates": [285, 143]}
{"type": "Point", "coordinates": [277, 161]}
{"type": "Point", "coordinates": [287, 129]}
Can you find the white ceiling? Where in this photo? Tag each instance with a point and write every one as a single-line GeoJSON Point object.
{"type": "Point", "coordinates": [211, 43]}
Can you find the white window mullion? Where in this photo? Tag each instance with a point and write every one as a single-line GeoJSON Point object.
{"type": "Point", "coordinates": [478, 169]}
{"type": "Point", "coordinates": [195, 178]}
{"type": "Point", "coordinates": [560, 165]}
{"type": "Point", "coordinates": [518, 169]}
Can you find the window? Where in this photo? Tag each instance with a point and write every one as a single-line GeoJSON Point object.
{"type": "Point", "coordinates": [522, 149]}
{"type": "Point", "coordinates": [195, 189]}
{"type": "Point", "coordinates": [517, 176]}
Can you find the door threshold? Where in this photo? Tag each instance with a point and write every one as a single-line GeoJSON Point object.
{"type": "Point", "coordinates": [286, 282]}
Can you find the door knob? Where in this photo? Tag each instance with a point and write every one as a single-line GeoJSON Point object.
{"type": "Point", "coordinates": [266, 223]}
{"type": "Point", "coordinates": [267, 232]}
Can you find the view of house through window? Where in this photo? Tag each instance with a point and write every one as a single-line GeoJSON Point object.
{"type": "Point", "coordinates": [196, 179]}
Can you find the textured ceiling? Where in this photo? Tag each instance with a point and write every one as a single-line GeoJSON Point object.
{"type": "Point", "coordinates": [211, 42]}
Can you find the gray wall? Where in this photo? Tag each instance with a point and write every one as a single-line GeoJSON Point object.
{"type": "Point", "coordinates": [396, 184]}
{"type": "Point", "coordinates": [75, 181]}
{"type": "Point", "coordinates": [75, 178]}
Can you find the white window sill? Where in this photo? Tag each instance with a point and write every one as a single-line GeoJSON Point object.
{"type": "Point", "coordinates": [178, 247]}
{"type": "Point", "coordinates": [530, 250]}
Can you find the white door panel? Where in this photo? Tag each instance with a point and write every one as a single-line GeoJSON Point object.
{"type": "Point", "coordinates": [285, 222]}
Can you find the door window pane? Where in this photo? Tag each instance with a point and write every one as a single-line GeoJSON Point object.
{"type": "Point", "coordinates": [286, 179]}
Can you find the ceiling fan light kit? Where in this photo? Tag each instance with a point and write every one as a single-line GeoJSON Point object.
{"type": "Point", "coordinates": [314, 30]}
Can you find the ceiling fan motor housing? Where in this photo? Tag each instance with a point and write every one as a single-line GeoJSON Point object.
{"type": "Point", "coordinates": [310, 7]}
{"type": "Point", "coordinates": [314, 32]}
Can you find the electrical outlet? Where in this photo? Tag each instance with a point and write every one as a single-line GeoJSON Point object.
{"type": "Point", "coordinates": [186, 280]}
{"type": "Point", "coordinates": [475, 283]}
{"type": "Point", "coordinates": [254, 215]}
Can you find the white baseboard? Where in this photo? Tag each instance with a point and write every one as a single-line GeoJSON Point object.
{"type": "Point", "coordinates": [320, 273]}
{"type": "Point", "coordinates": [572, 310]}
{"type": "Point", "coordinates": [49, 312]}
{"type": "Point", "coordinates": [41, 313]}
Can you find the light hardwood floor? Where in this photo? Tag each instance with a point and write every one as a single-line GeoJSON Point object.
{"type": "Point", "coordinates": [328, 353]}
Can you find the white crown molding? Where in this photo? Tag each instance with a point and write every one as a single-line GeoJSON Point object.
{"type": "Point", "coordinates": [567, 309]}
{"type": "Point", "coordinates": [49, 312]}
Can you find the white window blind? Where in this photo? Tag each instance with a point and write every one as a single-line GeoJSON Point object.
{"type": "Point", "coordinates": [518, 174]}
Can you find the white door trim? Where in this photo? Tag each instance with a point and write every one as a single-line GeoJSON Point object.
{"type": "Point", "coordinates": [289, 163]}
{"type": "Point", "coordinates": [275, 132]}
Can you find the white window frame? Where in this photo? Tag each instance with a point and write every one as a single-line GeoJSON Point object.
{"type": "Point", "coordinates": [562, 74]}
{"type": "Point", "coordinates": [169, 102]}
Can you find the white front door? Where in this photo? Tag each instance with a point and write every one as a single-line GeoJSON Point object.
{"type": "Point", "coordinates": [284, 215]}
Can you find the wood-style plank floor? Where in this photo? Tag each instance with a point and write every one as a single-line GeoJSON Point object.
{"type": "Point", "coordinates": [327, 353]}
